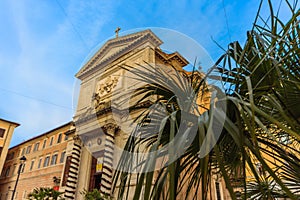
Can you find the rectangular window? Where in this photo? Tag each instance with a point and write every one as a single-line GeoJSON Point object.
{"type": "Point", "coordinates": [46, 161]}
{"type": "Point", "coordinates": [44, 144]}
{"type": "Point", "coordinates": [10, 156]}
{"type": "Point", "coordinates": [40, 163]}
{"type": "Point", "coordinates": [25, 194]}
{"type": "Point", "coordinates": [59, 138]}
{"type": "Point", "coordinates": [14, 169]}
{"type": "Point", "coordinates": [31, 165]}
{"type": "Point", "coordinates": [62, 156]}
{"type": "Point", "coordinates": [28, 149]}
{"type": "Point", "coordinates": [22, 168]}
{"type": "Point", "coordinates": [7, 171]}
{"type": "Point", "coordinates": [2, 131]}
{"type": "Point", "coordinates": [218, 192]}
{"type": "Point", "coordinates": [3, 172]}
{"type": "Point", "coordinates": [51, 141]}
{"type": "Point", "coordinates": [66, 137]}
{"type": "Point", "coordinates": [23, 151]}
{"type": "Point", "coordinates": [36, 147]}
{"type": "Point", "coordinates": [54, 159]}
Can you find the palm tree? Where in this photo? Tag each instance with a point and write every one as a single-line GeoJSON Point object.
{"type": "Point", "coordinates": [264, 84]}
{"type": "Point", "coordinates": [44, 193]}
{"type": "Point", "coordinates": [259, 126]}
{"type": "Point", "coordinates": [94, 195]}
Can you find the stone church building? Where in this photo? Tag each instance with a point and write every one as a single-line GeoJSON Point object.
{"type": "Point", "coordinates": [103, 77]}
{"type": "Point", "coordinates": [103, 83]}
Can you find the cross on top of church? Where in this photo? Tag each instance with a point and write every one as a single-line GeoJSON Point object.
{"type": "Point", "coordinates": [117, 32]}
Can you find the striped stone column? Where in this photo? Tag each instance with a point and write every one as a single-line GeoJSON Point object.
{"type": "Point", "coordinates": [73, 163]}
{"type": "Point", "coordinates": [107, 171]}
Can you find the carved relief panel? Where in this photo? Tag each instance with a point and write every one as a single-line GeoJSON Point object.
{"type": "Point", "coordinates": [104, 89]}
{"type": "Point", "coordinates": [105, 86]}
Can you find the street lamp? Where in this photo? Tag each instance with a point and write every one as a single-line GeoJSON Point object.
{"type": "Point", "coordinates": [22, 161]}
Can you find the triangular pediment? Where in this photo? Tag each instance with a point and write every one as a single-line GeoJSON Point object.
{"type": "Point", "coordinates": [117, 47]}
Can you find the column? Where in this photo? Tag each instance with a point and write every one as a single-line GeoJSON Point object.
{"type": "Point", "coordinates": [107, 171]}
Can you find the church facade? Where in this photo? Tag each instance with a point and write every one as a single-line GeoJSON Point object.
{"type": "Point", "coordinates": [95, 119]}
{"type": "Point", "coordinates": [103, 83]}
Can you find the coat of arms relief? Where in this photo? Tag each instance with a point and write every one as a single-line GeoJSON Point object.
{"type": "Point", "coordinates": [103, 88]}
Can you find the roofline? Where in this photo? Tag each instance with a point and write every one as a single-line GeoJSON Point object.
{"type": "Point", "coordinates": [168, 56]}
{"type": "Point", "coordinates": [17, 124]}
{"type": "Point", "coordinates": [132, 34]}
{"type": "Point", "coordinates": [61, 126]}
{"type": "Point", "coordinates": [91, 61]}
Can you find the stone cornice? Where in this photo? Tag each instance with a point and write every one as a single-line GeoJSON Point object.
{"type": "Point", "coordinates": [109, 109]}
{"type": "Point", "coordinates": [173, 56]}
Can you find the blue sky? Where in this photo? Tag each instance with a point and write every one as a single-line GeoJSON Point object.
{"type": "Point", "coordinates": [44, 43]}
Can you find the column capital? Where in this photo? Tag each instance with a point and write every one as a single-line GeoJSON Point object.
{"type": "Point", "coordinates": [110, 128]}
{"type": "Point", "coordinates": [77, 139]}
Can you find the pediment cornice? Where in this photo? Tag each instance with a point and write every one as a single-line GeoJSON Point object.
{"type": "Point", "coordinates": [126, 43]}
